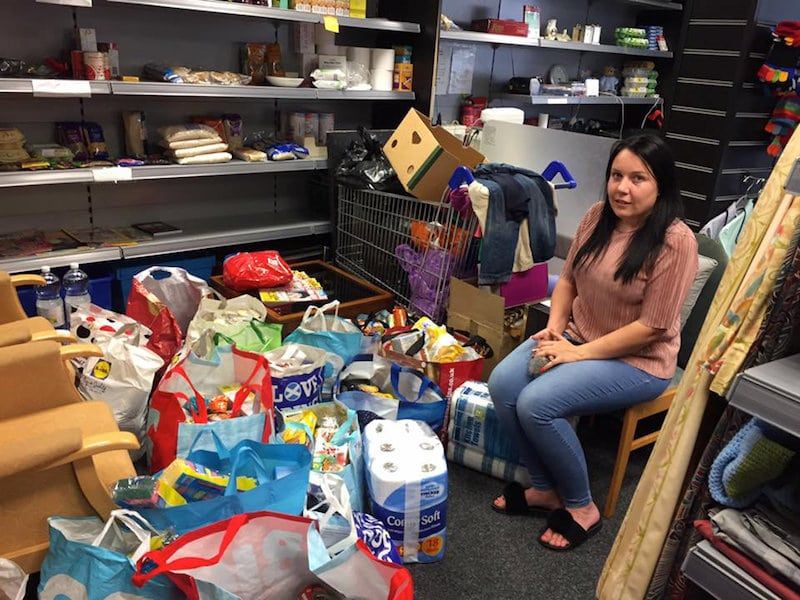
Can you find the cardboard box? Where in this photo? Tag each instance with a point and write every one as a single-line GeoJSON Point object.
{"type": "Point", "coordinates": [482, 313]}
{"type": "Point", "coordinates": [501, 27]}
{"type": "Point", "coordinates": [425, 156]}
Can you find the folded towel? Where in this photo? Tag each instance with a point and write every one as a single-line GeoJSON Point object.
{"type": "Point", "coordinates": [743, 467]}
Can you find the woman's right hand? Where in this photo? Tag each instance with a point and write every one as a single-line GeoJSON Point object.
{"type": "Point", "coordinates": [548, 334]}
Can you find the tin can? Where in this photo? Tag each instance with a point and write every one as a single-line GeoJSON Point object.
{"type": "Point", "coordinates": [325, 126]}
{"type": "Point", "coordinates": [297, 127]}
{"type": "Point", "coordinates": [312, 126]}
{"type": "Point", "coordinates": [94, 66]}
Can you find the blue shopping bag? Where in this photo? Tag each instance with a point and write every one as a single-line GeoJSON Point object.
{"type": "Point", "coordinates": [414, 395]}
{"type": "Point", "coordinates": [88, 559]}
{"type": "Point", "coordinates": [281, 471]}
{"type": "Point", "coordinates": [337, 336]}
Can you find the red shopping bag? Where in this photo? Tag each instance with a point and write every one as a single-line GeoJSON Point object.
{"type": "Point", "coordinates": [165, 299]}
{"type": "Point", "coordinates": [247, 271]}
{"type": "Point", "coordinates": [266, 555]}
{"type": "Point", "coordinates": [178, 409]}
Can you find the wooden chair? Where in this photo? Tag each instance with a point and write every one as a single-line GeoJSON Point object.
{"type": "Point", "coordinates": [11, 310]}
{"type": "Point", "coordinates": [58, 453]}
{"type": "Point", "coordinates": [628, 442]}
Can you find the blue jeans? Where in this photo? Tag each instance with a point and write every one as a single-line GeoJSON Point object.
{"type": "Point", "coordinates": [534, 412]}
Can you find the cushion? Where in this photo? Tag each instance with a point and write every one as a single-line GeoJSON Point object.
{"type": "Point", "coordinates": [705, 267]}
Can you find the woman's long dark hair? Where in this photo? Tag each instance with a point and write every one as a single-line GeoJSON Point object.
{"type": "Point", "coordinates": [646, 243]}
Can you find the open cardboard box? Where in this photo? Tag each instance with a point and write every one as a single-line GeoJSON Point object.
{"type": "Point", "coordinates": [482, 313]}
{"type": "Point", "coordinates": [425, 156]}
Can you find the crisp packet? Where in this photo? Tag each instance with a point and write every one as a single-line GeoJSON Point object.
{"type": "Point", "coordinates": [184, 481]}
{"type": "Point", "coordinates": [298, 436]}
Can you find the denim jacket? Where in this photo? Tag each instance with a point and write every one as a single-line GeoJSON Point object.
{"type": "Point", "coordinates": [501, 232]}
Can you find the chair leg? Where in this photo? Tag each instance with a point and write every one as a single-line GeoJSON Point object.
{"type": "Point", "coordinates": [621, 464]}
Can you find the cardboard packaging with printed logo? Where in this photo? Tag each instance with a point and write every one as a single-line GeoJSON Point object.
{"type": "Point", "coordinates": [482, 313]}
{"type": "Point", "coordinates": [425, 156]}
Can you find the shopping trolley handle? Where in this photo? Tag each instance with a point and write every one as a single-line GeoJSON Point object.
{"type": "Point", "coordinates": [558, 168]}
{"type": "Point", "coordinates": [461, 176]}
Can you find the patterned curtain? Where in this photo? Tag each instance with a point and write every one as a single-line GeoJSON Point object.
{"type": "Point", "coordinates": [783, 317]}
{"type": "Point", "coordinates": [729, 332]}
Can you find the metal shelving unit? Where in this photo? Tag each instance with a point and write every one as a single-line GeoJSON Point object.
{"type": "Point", "coordinates": [476, 37]}
{"type": "Point", "coordinates": [277, 14]}
{"type": "Point", "coordinates": [187, 90]}
{"type": "Point", "coordinates": [655, 4]}
{"type": "Point", "coordinates": [574, 100]}
{"type": "Point", "coordinates": [720, 577]}
{"type": "Point", "coordinates": [229, 231]}
{"type": "Point", "coordinates": [771, 392]}
{"type": "Point", "coordinates": [145, 173]}
{"type": "Point", "coordinates": [196, 235]}
{"type": "Point", "coordinates": [59, 259]}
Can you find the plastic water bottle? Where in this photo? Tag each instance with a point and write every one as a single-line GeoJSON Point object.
{"type": "Point", "coordinates": [76, 287]}
{"type": "Point", "coordinates": [48, 299]}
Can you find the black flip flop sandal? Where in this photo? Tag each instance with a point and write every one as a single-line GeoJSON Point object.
{"type": "Point", "coordinates": [560, 521]}
{"type": "Point", "coordinates": [516, 504]}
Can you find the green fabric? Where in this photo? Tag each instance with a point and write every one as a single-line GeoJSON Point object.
{"type": "Point", "coordinates": [765, 461]}
{"type": "Point", "coordinates": [251, 336]}
{"type": "Point", "coordinates": [731, 232]}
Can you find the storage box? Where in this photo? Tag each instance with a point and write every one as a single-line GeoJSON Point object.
{"type": "Point", "coordinates": [526, 286]}
{"type": "Point", "coordinates": [425, 156]}
{"type": "Point", "coordinates": [357, 296]}
{"type": "Point", "coordinates": [482, 313]}
{"type": "Point", "coordinates": [501, 27]}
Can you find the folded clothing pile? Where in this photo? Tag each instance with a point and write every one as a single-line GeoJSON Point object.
{"type": "Point", "coordinates": [631, 37]}
{"type": "Point", "coordinates": [640, 79]}
{"type": "Point", "coordinates": [194, 144]}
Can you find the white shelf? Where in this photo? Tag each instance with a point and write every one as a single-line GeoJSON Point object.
{"type": "Point", "coordinates": [476, 37]}
{"type": "Point", "coordinates": [187, 90]}
{"type": "Point", "coordinates": [28, 178]}
{"type": "Point", "coordinates": [59, 259]}
{"type": "Point", "coordinates": [277, 14]}
{"type": "Point", "coordinates": [654, 4]}
{"type": "Point", "coordinates": [771, 392]}
{"type": "Point", "coordinates": [144, 173]}
{"type": "Point", "coordinates": [573, 100]}
{"type": "Point", "coordinates": [235, 167]}
{"type": "Point", "coordinates": [604, 49]}
{"type": "Point", "coordinates": [719, 576]}
{"type": "Point", "coordinates": [229, 231]}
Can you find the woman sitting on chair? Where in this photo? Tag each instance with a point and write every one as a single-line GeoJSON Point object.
{"type": "Point", "coordinates": [611, 340]}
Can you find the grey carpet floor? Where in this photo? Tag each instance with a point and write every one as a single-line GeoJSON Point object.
{"type": "Point", "coordinates": [494, 556]}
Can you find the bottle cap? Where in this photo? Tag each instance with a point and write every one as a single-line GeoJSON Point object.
{"type": "Point", "coordinates": [73, 265]}
{"type": "Point", "coordinates": [45, 269]}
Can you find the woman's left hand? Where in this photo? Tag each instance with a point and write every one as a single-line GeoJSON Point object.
{"type": "Point", "coordinates": [559, 352]}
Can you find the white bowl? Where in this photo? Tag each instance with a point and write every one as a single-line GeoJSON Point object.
{"type": "Point", "coordinates": [285, 81]}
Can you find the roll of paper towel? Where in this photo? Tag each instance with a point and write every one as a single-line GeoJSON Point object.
{"type": "Point", "coordinates": [359, 55]}
{"type": "Point", "coordinates": [381, 80]}
{"type": "Point", "coordinates": [323, 37]}
{"type": "Point", "coordinates": [407, 482]}
{"type": "Point", "coordinates": [382, 59]}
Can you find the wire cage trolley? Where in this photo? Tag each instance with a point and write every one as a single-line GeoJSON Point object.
{"type": "Point", "coordinates": [409, 246]}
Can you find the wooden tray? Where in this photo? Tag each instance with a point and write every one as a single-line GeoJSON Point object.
{"type": "Point", "coordinates": [357, 296]}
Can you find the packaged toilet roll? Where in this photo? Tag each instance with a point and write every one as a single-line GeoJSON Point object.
{"type": "Point", "coordinates": [359, 55]}
{"type": "Point", "coordinates": [382, 59]}
{"type": "Point", "coordinates": [381, 80]}
{"type": "Point", "coordinates": [406, 473]}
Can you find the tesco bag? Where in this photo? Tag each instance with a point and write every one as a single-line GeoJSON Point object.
{"type": "Point", "coordinates": [247, 271]}
{"type": "Point", "coordinates": [165, 299]}
{"type": "Point", "coordinates": [224, 316]}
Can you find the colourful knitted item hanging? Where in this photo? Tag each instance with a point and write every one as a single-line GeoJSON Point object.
{"type": "Point", "coordinates": [783, 122]}
{"type": "Point", "coordinates": [780, 67]}
{"type": "Point", "coordinates": [749, 461]}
